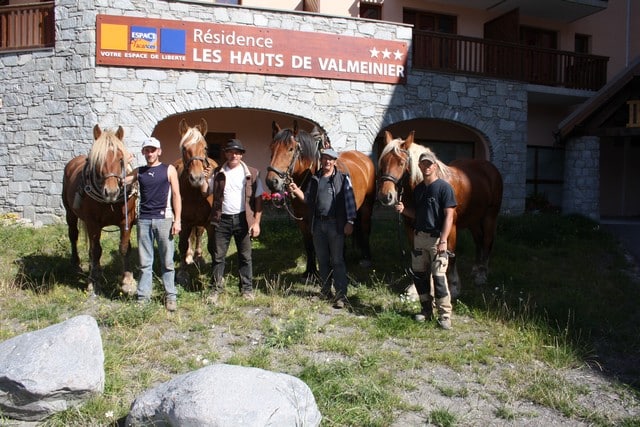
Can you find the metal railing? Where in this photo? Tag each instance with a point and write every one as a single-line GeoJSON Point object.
{"type": "Point", "coordinates": [469, 55]}
{"type": "Point", "coordinates": [27, 26]}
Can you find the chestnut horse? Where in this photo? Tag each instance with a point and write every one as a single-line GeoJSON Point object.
{"type": "Point", "coordinates": [477, 185]}
{"type": "Point", "coordinates": [295, 157]}
{"type": "Point", "coordinates": [196, 208]}
{"type": "Point", "coordinates": [93, 192]}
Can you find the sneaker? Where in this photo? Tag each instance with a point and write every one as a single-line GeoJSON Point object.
{"type": "Point", "coordinates": [171, 305]}
{"type": "Point", "coordinates": [339, 304]}
{"type": "Point", "coordinates": [444, 323]}
{"type": "Point", "coordinates": [213, 297]}
{"type": "Point", "coordinates": [248, 295]}
{"type": "Point", "coordinates": [423, 317]}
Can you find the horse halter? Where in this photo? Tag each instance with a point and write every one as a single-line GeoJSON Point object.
{"type": "Point", "coordinates": [204, 160]}
{"type": "Point", "coordinates": [398, 181]}
{"type": "Point", "coordinates": [286, 176]}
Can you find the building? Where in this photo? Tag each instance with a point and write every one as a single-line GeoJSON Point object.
{"type": "Point", "coordinates": [545, 89]}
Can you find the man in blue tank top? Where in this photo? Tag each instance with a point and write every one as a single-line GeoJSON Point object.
{"type": "Point", "coordinates": [158, 221]}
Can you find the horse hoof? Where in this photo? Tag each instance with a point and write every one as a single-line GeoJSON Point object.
{"type": "Point", "coordinates": [129, 289]}
{"type": "Point", "coordinates": [188, 260]}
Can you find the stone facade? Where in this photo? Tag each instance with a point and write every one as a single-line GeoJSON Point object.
{"type": "Point", "coordinates": [53, 98]}
{"type": "Point", "coordinates": [582, 177]}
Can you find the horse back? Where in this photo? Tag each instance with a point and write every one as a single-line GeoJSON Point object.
{"type": "Point", "coordinates": [478, 188]}
{"type": "Point", "coordinates": [362, 172]}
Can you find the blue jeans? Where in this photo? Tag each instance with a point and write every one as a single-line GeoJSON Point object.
{"type": "Point", "coordinates": [158, 230]}
{"type": "Point", "coordinates": [329, 246]}
{"type": "Point", "coordinates": [232, 226]}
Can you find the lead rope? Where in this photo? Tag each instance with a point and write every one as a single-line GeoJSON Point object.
{"type": "Point", "coordinates": [125, 205]}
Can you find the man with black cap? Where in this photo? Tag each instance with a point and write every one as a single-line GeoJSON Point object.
{"type": "Point", "coordinates": [435, 205]}
{"type": "Point", "coordinates": [236, 212]}
{"type": "Point", "coordinates": [332, 204]}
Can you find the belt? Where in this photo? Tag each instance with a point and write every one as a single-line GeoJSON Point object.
{"type": "Point", "coordinates": [430, 233]}
{"type": "Point", "coordinates": [326, 218]}
{"type": "Point", "coordinates": [231, 216]}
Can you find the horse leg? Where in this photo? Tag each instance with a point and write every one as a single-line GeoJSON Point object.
{"type": "Point", "coordinates": [72, 231]}
{"type": "Point", "coordinates": [483, 238]}
{"type": "Point", "coordinates": [95, 253]}
{"type": "Point", "coordinates": [182, 276]}
{"type": "Point", "coordinates": [197, 245]}
{"type": "Point", "coordinates": [128, 282]}
{"type": "Point", "coordinates": [311, 269]}
{"type": "Point", "coordinates": [363, 231]}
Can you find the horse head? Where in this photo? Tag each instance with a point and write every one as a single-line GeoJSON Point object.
{"type": "Point", "coordinates": [107, 164]}
{"type": "Point", "coordinates": [193, 148]}
{"type": "Point", "coordinates": [394, 168]}
{"type": "Point", "coordinates": [398, 167]}
{"type": "Point", "coordinates": [294, 152]}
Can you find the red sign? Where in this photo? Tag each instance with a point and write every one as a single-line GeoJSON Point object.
{"type": "Point", "coordinates": [159, 43]}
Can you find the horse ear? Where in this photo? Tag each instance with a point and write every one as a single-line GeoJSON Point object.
{"type": "Point", "coordinates": [97, 132]}
{"type": "Point", "coordinates": [275, 128]}
{"type": "Point", "coordinates": [409, 140]}
{"type": "Point", "coordinates": [295, 127]}
{"type": "Point", "coordinates": [120, 133]}
{"type": "Point", "coordinates": [182, 126]}
{"type": "Point", "coordinates": [203, 126]}
{"type": "Point", "coordinates": [387, 137]}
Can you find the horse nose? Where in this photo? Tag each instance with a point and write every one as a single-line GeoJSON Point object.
{"type": "Point", "coordinates": [386, 198]}
{"type": "Point", "coordinates": [274, 183]}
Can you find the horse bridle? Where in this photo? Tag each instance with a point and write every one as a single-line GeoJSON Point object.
{"type": "Point", "coordinates": [286, 176]}
{"type": "Point", "coordinates": [399, 182]}
{"type": "Point", "coordinates": [204, 160]}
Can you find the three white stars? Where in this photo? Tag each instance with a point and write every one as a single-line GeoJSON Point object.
{"type": "Point", "coordinates": [386, 54]}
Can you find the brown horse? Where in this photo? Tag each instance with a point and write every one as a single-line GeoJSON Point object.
{"type": "Point", "coordinates": [295, 157]}
{"type": "Point", "coordinates": [195, 207]}
{"type": "Point", "coordinates": [477, 185]}
{"type": "Point", "coordinates": [93, 192]}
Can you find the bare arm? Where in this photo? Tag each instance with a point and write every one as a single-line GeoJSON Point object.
{"type": "Point", "coordinates": [176, 200]}
{"type": "Point", "coordinates": [446, 228]}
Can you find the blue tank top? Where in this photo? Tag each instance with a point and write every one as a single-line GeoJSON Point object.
{"type": "Point", "coordinates": [155, 197]}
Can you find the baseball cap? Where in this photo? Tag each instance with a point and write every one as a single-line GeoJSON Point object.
{"type": "Point", "coordinates": [234, 144]}
{"type": "Point", "coordinates": [151, 142]}
{"type": "Point", "coordinates": [428, 156]}
{"type": "Point", "coordinates": [329, 152]}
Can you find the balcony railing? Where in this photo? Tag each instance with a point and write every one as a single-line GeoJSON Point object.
{"type": "Point", "coordinates": [469, 55]}
{"type": "Point", "coordinates": [27, 26]}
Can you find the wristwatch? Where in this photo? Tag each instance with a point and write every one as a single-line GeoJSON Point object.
{"type": "Point", "coordinates": [350, 221]}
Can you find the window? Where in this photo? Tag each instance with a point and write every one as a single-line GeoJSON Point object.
{"type": "Point", "coordinates": [545, 178]}
{"type": "Point", "coordinates": [370, 11]}
{"type": "Point", "coordinates": [582, 43]}
{"type": "Point", "coordinates": [27, 26]}
{"type": "Point", "coordinates": [427, 21]}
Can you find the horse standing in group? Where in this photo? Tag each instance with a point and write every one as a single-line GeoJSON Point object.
{"type": "Point", "coordinates": [477, 185]}
{"type": "Point", "coordinates": [93, 191]}
{"type": "Point", "coordinates": [295, 157]}
{"type": "Point", "coordinates": [196, 208]}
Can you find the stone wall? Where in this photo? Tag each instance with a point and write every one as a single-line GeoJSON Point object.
{"type": "Point", "coordinates": [581, 193]}
{"type": "Point", "coordinates": [53, 98]}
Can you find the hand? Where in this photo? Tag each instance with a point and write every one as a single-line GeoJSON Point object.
{"type": "Point", "coordinates": [442, 246]}
{"type": "Point", "coordinates": [348, 229]}
{"type": "Point", "coordinates": [399, 207]}
{"type": "Point", "coordinates": [254, 231]}
{"type": "Point", "coordinates": [293, 187]}
{"type": "Point", "coordinates": [207, 171]}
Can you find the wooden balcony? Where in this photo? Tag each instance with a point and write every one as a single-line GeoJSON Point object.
{"type": "Point", "coordinates": [27, 26]}
{"type": "Point", "coordinates": [512, 61]}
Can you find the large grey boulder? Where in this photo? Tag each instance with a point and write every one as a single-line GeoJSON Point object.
{"type": "Point", "coordinates": [226, 395]}
{"type": "Point", "coordinates": [51, 370]}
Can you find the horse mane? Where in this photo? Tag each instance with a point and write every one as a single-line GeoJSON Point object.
{"type": "Point", "coordinates": [192, 136]}
{"type": "Point", "coordinates": [415, 150]}
{"type": "Point", "coordinates": [308, 146]}
{"type": "Point", "coordinates": [107, 142]}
